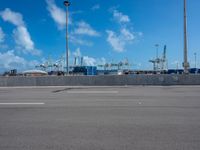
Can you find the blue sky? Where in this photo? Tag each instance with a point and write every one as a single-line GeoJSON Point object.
{"type": "Point", "coordinates": [31, 31]}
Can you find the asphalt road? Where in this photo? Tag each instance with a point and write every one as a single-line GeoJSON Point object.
{"type": "Point", "coordinates": [100, 118]}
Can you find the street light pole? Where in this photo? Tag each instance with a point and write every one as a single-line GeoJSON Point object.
{"type": "Point", "coordinates": [67, 4]}
{"type": "Point", "coordinates": [186, 65]}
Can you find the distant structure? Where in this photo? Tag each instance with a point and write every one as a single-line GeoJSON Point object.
{"type": "Point", "coordinates": [122, 65]}
{"type": "Point", "coordinates": [160, 64]}
{"type": "Point", "coordinates": [186, 64]}
{"type": "Point", "coordinates": [164, 59]}
{"type": "Point", "coordinates": [34, 73]}
{"type": "Point", "coordinates": [50, 65]}
{"type": "Point", "coordinates": [78, 61]}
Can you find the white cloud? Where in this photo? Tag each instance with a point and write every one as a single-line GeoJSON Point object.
{"type": "Point", "coordinates": [58, 14]}
{"type": "Point", "coordinates": [119, 42]}
{"type": "Point", "coordinates": [120, 17]}
{"type": "Point", "coordinates": [77, 53]}
{"type": "Point", "coordinates": [2, 35]}
{"type": "Point", "coordinates": [95, 7]}
{"type": "Point", "coordinates": [12, 17]}
{"type": "Point", "coordinates": [85, 29]}
{"type": "Point", "coordinates": [8, 60]}
{"type": "Point", "coordinates": [115, 41]}
{"type": "Point", "coordinates": [78, 40]}
{"type": "Point", "coordinates": [125, 36]}
{"type": "Point", "coordinates": [89, 61]}
{"type": "Point", "coordinates": [21, 35]}
{"type": "Point", "coordinates": [22, 38]}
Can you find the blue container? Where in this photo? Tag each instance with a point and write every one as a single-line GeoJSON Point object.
{"type": "Point", "coordinates": [91, 70]}
{"type": "Point", "coordinates": [175, 71]}
{"type": "Point", "coordinates": [194, 70]}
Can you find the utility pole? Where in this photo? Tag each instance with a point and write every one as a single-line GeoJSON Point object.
{"type": "Point", "coordinates": [186, 65]}
{"type": "Point", "coordinates": [67, 4]}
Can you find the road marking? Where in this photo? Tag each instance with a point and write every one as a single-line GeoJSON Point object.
{"type": "Point", "coordinates": [50, 87]}
{"type": "Point", "coordinates": [92, 92]}
{"type": "Point", "coordinates": [22, 103]}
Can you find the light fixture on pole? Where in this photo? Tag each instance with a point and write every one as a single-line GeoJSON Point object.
{"type": "Point", "coordinates": [67, 4]}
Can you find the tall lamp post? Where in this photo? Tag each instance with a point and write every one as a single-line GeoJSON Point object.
{"type": "Point", "coordinates": [67, 4]}
{"type": "Point", "coordinates": [186, 65]}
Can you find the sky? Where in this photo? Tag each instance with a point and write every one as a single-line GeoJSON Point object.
{"type": "Point", "coordinates": [32, 32]}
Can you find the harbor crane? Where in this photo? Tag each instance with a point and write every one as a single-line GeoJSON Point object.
{"type": "Point", "coordinates": [160, 64]}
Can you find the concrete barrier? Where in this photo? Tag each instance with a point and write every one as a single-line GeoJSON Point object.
{"type": "Point", "coordinates": [113, 80]}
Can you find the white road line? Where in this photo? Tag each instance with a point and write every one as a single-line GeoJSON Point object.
{"type": "Point", "coordinates": [22, 103]}
{"type": "Point", "coordinates": [92, 92]}
{"type": "Point", "coordinates": [49, 87]}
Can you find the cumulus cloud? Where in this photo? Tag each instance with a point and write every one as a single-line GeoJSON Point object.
{"type": "Point", "coordinates": [22, 38]}
{"type": "Point", "coordinates": [77, 52]}
{"type": "Point", "coordinates": [21, 35]}
{"type": "Point", "coordinates": [58, 14]}
{"type": "Point", "coordinates": [85, 29]}
{"type": "Point", "coordinates": [2, 35]}
{"type": "Point", "coordinates": [89, 61]}
{"type": "Point", "coordinates": [125, 36]}
{"type": "Point", "coordinates": [115, 41]}
{"type": "Point", "coordinates": [81, 28]}
{"type": "Point", "coordinates": [8, 60]}
{"type": "Point", "coordinates": [95, 7]}
{"type": "Point", "coordinates": [12, 17]}
{"type": "Point", "coordinates": [120, 17]}
{"type": "Point", "coordinates": [79, 41]}
{"type": "Point", "coordinates": [119, 41]}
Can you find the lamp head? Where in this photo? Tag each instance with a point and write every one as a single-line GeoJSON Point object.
{"type": "Point", "coordinates": [66, 3]}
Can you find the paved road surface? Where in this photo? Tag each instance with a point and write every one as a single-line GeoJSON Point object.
{"type": "Point", "coordinates": [100, 118]}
